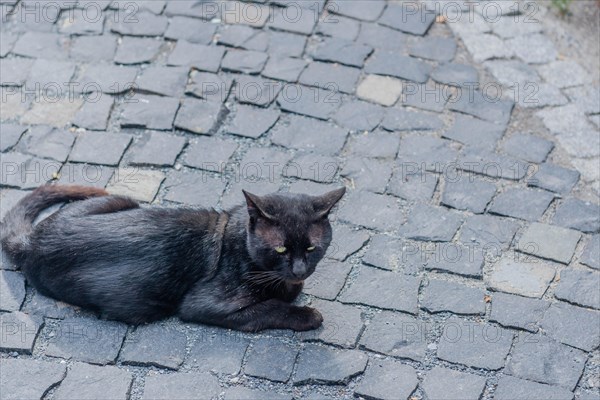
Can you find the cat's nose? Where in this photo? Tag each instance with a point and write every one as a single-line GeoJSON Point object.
{"type": "Point", "coordinates": [299, 269]}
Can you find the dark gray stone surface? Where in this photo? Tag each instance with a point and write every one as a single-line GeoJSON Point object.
{"type": "Point", "coordinates": [191, 30]}
{"type": "Point", "coordinates": [540, 359]}
{"type": "Point", "coordinates": [436, 49]}
{"type": "Point", "coordinates": [447, 384]}
{"type": "Point", "coordinates": [426, 152]}
{"type": "Point", "coordinates": [416, 22]}
{"type": "Point", "coordinates": [488, 232]}
{"type": "Point", "coordinates": [284, 68]}
{"type": "Point", "coordinates": [209, 153]}
{"type": "Point", "coordinates": [28, 379]}
{"type": "Point", "coordinates": [408, 185]}
{"type": "Point", "coordinates": [387, 379]}
{"type": "Point", "coordinates": [342, 324]}
{"type": "Point", "coordinates": [525, 277]}
{"type": "Point", "coordinates": [199, 56]}
{"type": "Point", "coordinates": [133, 50]}
{"type": "Point", "coordinates": [572, 325]}
{"type": "Point", "coordinates": [398, 119]}
{"type": "Point", "coordinates": [483, 106]}
{"type": "Point", "coordinates": [328, 279]}
{"type": "Point", "coordinates": [329, 76]}
{"type": "Point", "coordinates": [318, 364]}
{"type": "Point", "coordinates": [455, 74]}
{"type": "Point", "coordinates": [578, 214]}
{"type": "Point", "coordinates": [591, 253]}
{"type": "Point", "coordinates": [554, 178]}
{"type": "Point", "coordinates": [551, 242]}
{"type": "Point", "coordinates": [579, 286]}
{"type": "Point", "coordinates": [94, 115]}
{"type": "Point", "coordinates": [468, 194]}
{"type": "Point", "coordinates": [19, 331]}
{"type": "Point", "coordinates": [368, 174]}
{"type": "Point", "coordinates": [12, 290]}
{"type": "Point", "coordinates": [341, 51]}
{"type": "Point", "coordinates": [158, 149]}
{"type": "Point", "coordinates": [474, 344]}
{"type": "Point", "coordinates": [312, 102]}
{"type": "Point", "coordinates": [181, 386]}
{"type": "Point", "coordinates": [87, 144]}
{"type": "Point", "coordinates": [270, 359]}
{"type": "Point", "coordinates": [511, 388]}
{"type": "Point", "coordinates": [386, 62]}
{"type": "Point", "coordinates": [245, 61]}
{"type": "Point", "coordinates": [164, 81]}
{"type": "Point", "coordinates": [87, 382]}
{"type": "Point", "coordinates": [198, 116]}
{"type": "Point", "coordinates": [304, 134]}
{"type": "Point", "coordinates": [474, 132]}
{"type": "Point", "coordinates": [151, 112]}
{"type": "Point", "coordinates": [154, 345]}
{"type": "Point", "coordinates": [429, 223]}
{"type": "Point", "coordinates": [517, 312]}
{"type": "Point", "coordinates": [442, 296]}
{"type": "Point", "coordinates": [46, 142]}
{"type": "Point", "coordinates": [457, 259]}
{"type": "Point", "coordinates": [218, 350]}
{"type": "Point", "coordinates": [532, 203]}
{"type": "Point", "coordinates": [359, 210]}
{"type": "Point", "coordinates": [528, 147]}
{"type": "Point", "coordinates": [11, 133]}
{"type": "Point", "coordinates": [378, 144]}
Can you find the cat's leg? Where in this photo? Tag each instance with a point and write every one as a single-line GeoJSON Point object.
{"type": "Point", "coordinates": [269, 314]}
{"type": "Point", "coordinates": [100, 205]}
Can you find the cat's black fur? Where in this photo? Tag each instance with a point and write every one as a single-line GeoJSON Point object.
{"type": "Point", "coordinates": [134, 264]}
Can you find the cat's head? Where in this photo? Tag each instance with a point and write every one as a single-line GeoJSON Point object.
{"type": "Point", "coordinates": [288, 234]}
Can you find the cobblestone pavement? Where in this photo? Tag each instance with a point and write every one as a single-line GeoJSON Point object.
{"type": "Point", "coordinates": [465, 262]}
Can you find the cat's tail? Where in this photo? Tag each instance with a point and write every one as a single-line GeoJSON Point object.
{"type": "Point", "coordinates": [18, 223]}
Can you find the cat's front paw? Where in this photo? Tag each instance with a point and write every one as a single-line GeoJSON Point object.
{"type": "Point", "coordinates": [305, 319]}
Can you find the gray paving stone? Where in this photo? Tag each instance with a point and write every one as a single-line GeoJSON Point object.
{"type": "Point", "coordinates": [507, 27]}
{"type": "Point", "coordinates": [474, 132]}
{"type": "Point", "coordinates": [87, 145]}
{"type": "Point", "coordinates": [511, 388]}
{"type": "Point", "coordinates": [236, 35]}
{"type": "Point", "coordinates": [540, 359]}
{"type": "Point", "coordinates": [380, 89]}
{"type": "Point", "coordinates": [142, 23]}
{"type": "Point", "coordinates": [533, 49]}
{"type": "Point", "coordinates": [251, 122]}
{"type": "Point", "coordinates": [527, 147]}
{"type": "Point", "coordinates": [191, 30]}
{"type": "Point", "coordinates": [328, 279]}
{"type": "Point", "coordinates": [455, 74]}
{"type": "Point", "coordinates": [9, 198]}
{"type": "Point", "coordinates": [426, 152]}
{"type": "Point", "coordinates": [154, 345]}
{"type": "Point", "coordinates": [284, 68]}
{"type": "Point", "coordinates": [94, 115]}
{"type": "Point", "coordinates": [394, 255]}
{"type": "Point", "coordinates": [208, 86]}
{"type": "Point", "coordinates": [181, 386]}
{"type": "Point", "coordinates": [386, 62]}
{"type": "Point", "coordinates": [242, 393]}
{"type": "Point", "coordinates": [529, 278]}
{"type": "Point", "coordinates": [578, 214]}
{"type": "Point", "coordinates": [428, 223]}
{"type": "Point", "coordinates": [532, 203]}
{"type": "Point", "coordinates": [79, 22]}
{"type": "Point", "coordinates": [335, 77]}
{"type": "Point", "coordinates": [410, 185]}
{"type": "Point", "coordinates": [483, 106]}
{"type": "Point", "coordinates": [377, 144]}
{"type": "Point", "coordinates": [185, 8]}
{"type": "Point", "coordinates": [19, 331]}
{"type": "Point", "coordinates": [486, 46]}
{"type": "Point", "coordinates": [51, 46]}
{"type": "Point", "coordinates": [368, 174]}
{"type": "Point", "coordinates": [313, 102]}
{"type": "Point", "coordinates": [512, 73]}
{"type": "Point", "coordinates": [517, 312]}
{"type": "Point", "coordinates": [483, 162]}
{"type": "Point", "coordinates": [371, 210]}
{"type": "Point", "coordinates": [41, 305]}
{"type": "Point", "coordinates": [93, 48]}
{"type": "Point", "coordinates": [551, 242]}
{"type": "Point", "coordinates": [50, 76]}
{"type": "Point", "coordinates": [579, 286]}
{"type": "Point", "coordinates": [542, 95]}
{"type": "Point", "coordinates": [85, 339]}
{"type": "Point", "coordinates": [302, 22]}
{"type": "Point", "coordinates": [361, 9]}
{"type": "Point", "coordinates": [56, 113]}
{"type": "Point", "coordinates": [397, 335]}
{"type": "Point", "coordinates": [591, 253]}
{"type": "Point", "coordinates": [430, 97]}
{"type": "Point", "coordinates": [262, 92]}
{"type": "Point", "coordinates": [468, 194]}
{"type": "Point", "coordinates": [284, 44]}
{"type": "Point", "coordinates": [209, 153]}
{"type": "Point", "coordinates": [106, 79]}
{"type": "Point", "coordinates": [445, 296]}
{"type": "Point", "coordinates": [270, 359]}
{"type": "Point", "coordinates": [241, 13]}
{"type": "Point", "coordinates": [26, 172]}
{"type": "Point", "coordinates": [6, 43]}
{"type": "Point", "coordinates": [346, 241]}
{"type": "Point", "coordinates": [244, 61]}
{"type": "Point", "coordinates": [234, 196]}
{"type": "Point", "coordinates": [434, 48]}
{"type": "Point", "coordinates": [165, 81]}
{"type": "Point", "coordinates": [378, 36]}
{"type": "Point", "coordinates": [263, 164]}
{"type": "Point", "coordinates": [201, 57]}
{"type": "Point", "coordinates": [404, 19]}
{"type": "Point", "coordinates": [305, 133]}
{"type": "Point", "coordinates": [359, 115]}
{"type": "Point", "coordinates": [87, 382]}
{"type": "Point", "coordinates": [138, 184]}
{"type": "Point", "coordinates": [157, 148]}
{"type": "Point", "coordinates": [317, 364]}
{"type": "Point", "coordinates": [583, 395]}
{"type": "Point", "coordinates": [199, 189]}
{"type": "Point", "coordinates": [578, 327]}
{"type": "Point", "coordinates": [11, 133]}
{"type": "Point", "coordinates": [383, 289]}
{"type": "Point", "coordinates": [342, 324]}
{"type": "Point", "coordinates": [585, 97]}
{"type": "Point", "coordinates": [312, 167]}
{"type": "Point", "coordinates": [340, 27]}
{"type": "Point", "coordinates": [28, 379]}
{"type": "Point", "coordinates": [197, 116]}
{"type": "Point", "coordinates": [456, 259]}
{"type": "Point", "coordinates": [399, 119]}
{"type": "Point", "coordinates": [474, 344]}
{"type": "Point", "coordinates": [341, 51]}
{"type": "Point", "coordinates": [46, 142]}
{"type": "Point", "coordinates": [133, 50]}
{"type": "Point", "coordinates": [12, 293]}
{"type": "Point", "coordinates": [387, 379]}
{"type": "Point", "coordinates": [447, 384]}
{"type": "Point", "coordinates": [218, 350]}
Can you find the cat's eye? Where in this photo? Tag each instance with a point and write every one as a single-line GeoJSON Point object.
{"type": "Point", "coordinates": [280, 249]}
{"type": "Point", "coordinates": [311, 248]}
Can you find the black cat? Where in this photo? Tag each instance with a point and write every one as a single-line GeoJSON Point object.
{"type": "Point", "coordinates": [238, 269]}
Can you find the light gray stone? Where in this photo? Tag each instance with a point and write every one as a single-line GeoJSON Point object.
{"type": "Point", "coordinates": [12, 290]}
{"type": "Point", "coordinates": [511, 388]}
{"type": "Point", "coordinates": [580, 287]}
{"type": "Point", "coordinates": [578, 327]}
{"type": "Point", "coordinates": [28, 379]}
{"type": "Point", "coordinates": [447, 384]}
{"type": "Point", "coordinates": [317, 364]}
{"type": "Point", "coordinates": [183, 386]}
{"type": "Point", "coordinates": [517, 312]}
{"type": "Point", "coordinates": [445, 296]}
{"type": "Point", "coordinates": [387, 379]}
{"type": "Point", "coordinates": [533, 49]}
{"type": "Point", "coordinates": [548, 241]}
{"type": "Point", "coordinates": [88, 382]}
{"type": "Point", "coordinates": [529, 279]}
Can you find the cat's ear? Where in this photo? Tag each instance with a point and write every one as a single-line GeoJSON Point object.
{"type": "Point", "coordinates": [324, 203]}
{"type": "Point", "coordinates": [256, 206]}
